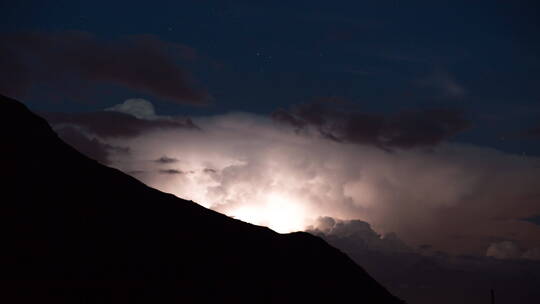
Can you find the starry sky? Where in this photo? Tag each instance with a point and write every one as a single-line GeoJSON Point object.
{"type": "Point", "coordinates": [480, 58]}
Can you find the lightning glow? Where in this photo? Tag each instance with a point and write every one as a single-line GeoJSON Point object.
{"type": "Point", "coordinates": [277, 212]}
{"type": "Point", "coordinates": [248, 168]}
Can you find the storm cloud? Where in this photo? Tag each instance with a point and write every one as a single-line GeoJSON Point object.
{"type": "Point", "coordinates": [423, 222]}
{"type": "Point", "coordinates": [407, 129]}
{"type": "Point", "coordinates": [458, 198]}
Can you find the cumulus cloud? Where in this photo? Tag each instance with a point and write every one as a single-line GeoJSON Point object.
{"type": "Point", "coordinates": [400, 215]}
{"type": "Point", "coordinates": [454, 197]}
{"type": "Point", "coordinates": [509, 250]}
{"type": "Point", "coordinates": [138, 107]}
{"type": "Point", "coordinates": [78, 61]}
{"type": "Point", "coordinates": [503, 250]}
{"type": "Point", "coordinates": [357, 234]}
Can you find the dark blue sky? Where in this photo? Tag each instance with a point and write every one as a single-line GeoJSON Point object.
{"type": "Point", "coordinates": [482, 57]}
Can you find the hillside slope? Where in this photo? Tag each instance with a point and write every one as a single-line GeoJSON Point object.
{"type": "Point", "coordinates": [75, 231]}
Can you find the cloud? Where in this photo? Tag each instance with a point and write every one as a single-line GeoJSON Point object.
{"type": "Point", "coordinates": [357, 234]}
{"type": "Point", "coordinates": [503, 250]}
{"type": "Point", "coordinates": [457, 198]}
{"type": "Point", "coordinates": [91, 147]}
{"type": "Point", "coordinates": [121, 120]}
{"type": "Point", "coordinates": [138, 107]}
{"type": "Point", "coordinates": [166, 160]}
{"type": "Point", "coordinates": [509, 250]}
{"type": "Point", "coordinates": [532, 254]}
{"type": "Point", "coordinates": [171, 171]}
{"type": "Point", "coordinates": [78, 62]}
{"type": "Point", "coordinates": [88, 132]}
{"type": "Point", "coordinates": [404, 130]}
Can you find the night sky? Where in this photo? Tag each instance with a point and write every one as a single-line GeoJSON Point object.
{"type": "Point", "coordinates": [419, 117]}
{"type": "Point", "coordinates": [387, 56]}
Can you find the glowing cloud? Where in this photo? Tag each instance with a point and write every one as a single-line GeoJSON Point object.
{"type": "Point", "coordinates": [454, 197]}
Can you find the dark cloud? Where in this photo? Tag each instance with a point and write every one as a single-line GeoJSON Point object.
{"type": "Point", "coordinates": [171, 171]}
{"type": "Point", "coordinates": [91, 147]}
{"type": "Point", "coordinates": [78, 61]}
{"type": "Point", "coordinates": [402, 130]}
{"type": "Point", "coordinates": [165, 160]}
{"type": "Point", "coordinates": [135, 172]}
{"type": "Point", "coordinates": [116, 124]}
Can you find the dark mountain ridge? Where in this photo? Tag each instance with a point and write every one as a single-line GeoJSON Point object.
{"type": "Point", "coordinates": [75, 231]}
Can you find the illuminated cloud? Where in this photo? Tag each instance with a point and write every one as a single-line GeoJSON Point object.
{"type": "Point", "coordinates": [455, 197]}
{"type": "Point", "coordinates": [503, 250]}
{"type": "Point", "coordinates": [138, 107]}
{"type": "Point", "coordinates": [357, 236]}
{"type": "Point", "coordinates": [509, 250]}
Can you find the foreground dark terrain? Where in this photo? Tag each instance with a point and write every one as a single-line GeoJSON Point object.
{"type": "Point", "coordinates": [75, 231]}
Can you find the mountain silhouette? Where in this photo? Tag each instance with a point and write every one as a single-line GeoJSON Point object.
{"type": "Point", "coordinates": [75, 231]}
